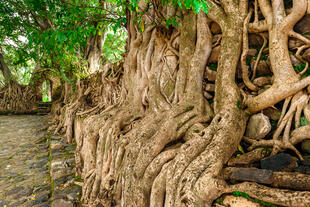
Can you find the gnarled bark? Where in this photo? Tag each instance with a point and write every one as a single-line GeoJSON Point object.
{"type": "Point", "coordinates": [160, 143]}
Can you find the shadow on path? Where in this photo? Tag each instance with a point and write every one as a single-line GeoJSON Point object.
{"type": "Point", "coordinates": [24, 158]}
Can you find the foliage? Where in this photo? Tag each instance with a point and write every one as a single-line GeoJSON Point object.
{"type": "Point", "coordinates": [14, 45]}
{"type": "Point", "coordinates": [45, 97]}
{"type": "Point", "coordinates": [219, 200]}
{"type": "Point", "coordinates": [303, 121]}
{"type": "Point", "coordinates": [240, 148]}
{"type": "Point", "coordinates": [1, 80]}
{"type": "Point", "coordinates": [56, 33]}
{"type": "Point", "coordinates": [238, 193]}
{"type": "Point", "coordinates": [114, 46]}
{"type": "Point", "coordinates": [213, 66]}
{"type": "Point", "coordinates": [300, 68]}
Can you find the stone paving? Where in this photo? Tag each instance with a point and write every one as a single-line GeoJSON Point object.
{"type": "Point", "coordinates": [24, 161]}
{"type": "Point", "coordinates": [65, 192]}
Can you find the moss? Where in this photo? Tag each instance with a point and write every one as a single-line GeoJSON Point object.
{"type": "Point", "coordinates": [264, 203]}
{"type": "Point", "coordinates": [219, 200]}
{"type": "Point", "coordinates": [169, 89]}
{"type": "Point", "coordinates": [239, 105]}
{"type": "Point", "coordinates": [245, 195]}
{"type": "Point", "coordinates": [78, 179]}
{"type": "Point", "coordinates": [80, 117]}
{"type": "Point", "coordinates": [74, 144]}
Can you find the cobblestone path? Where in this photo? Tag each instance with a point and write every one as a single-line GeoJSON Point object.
{"type": "Point", "coordinates": [24, 160]}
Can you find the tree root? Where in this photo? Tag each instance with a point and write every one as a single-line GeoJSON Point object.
{"type": "Point", "coordinates": [147, 150]}
{"type": "Point", "coordinates": [248, 158]}
{"type": "Point", "coordinates": [277, 196]}
{"type": "Point", "coordinates": [298, 104]}
{"type": "Point", "coordinates": [245, 50]}
{"type": "Point", "coordinates": [287, 180]}
{"type": "Point", "coordinates": [19, 99]}
{"type": "Point", "coordinates": [259, 55]}
{"type": "Point", "coordinates": [275, 94]}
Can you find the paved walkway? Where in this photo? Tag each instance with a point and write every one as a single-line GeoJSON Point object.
{"type": "Point", "coordinates": [24, 159]}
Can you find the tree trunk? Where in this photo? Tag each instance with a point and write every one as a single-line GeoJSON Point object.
{"type": "Point", "coordinates": [93, 51]}
{"type": "Point", "coordinates": [147, 153]}
{"type": "Point", "coordinates": [161, 143]}
{"type": "Point", "coordinates": [15, 98]}
{"type": "Point", "coordinates": [5, 69]}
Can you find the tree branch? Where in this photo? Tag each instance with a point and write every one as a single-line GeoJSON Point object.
{"type": "Point", "coordinates": [299, 36]}
{"type": "Point", "coordinates": [216, 13]}
{"type": "Point", "coordinates": [266, 9]}
{"type": "Point", "coordinates": [243, 5]}
{"type": "Point", "coordinates": [278, 10]}
{"type": "Point", "coordinates": [298, 11]}
{"type": "Point", "coordinates": [258, 27]}
{"type": "Point", "coordinates": [230, 6]}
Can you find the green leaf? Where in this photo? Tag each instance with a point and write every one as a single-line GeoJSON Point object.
{"type": "Point", "coordinates": [204, 7]}
{"type": "Point", "coordinates": [168, 22]}
{"type": "Point", "coordinates": [187, 4]}
{"type": "Point", "coordinates": [196, 6]}
{"type": "Point", "coordinates": [180, 4]}
{"type": "Point", "coordinates": [60, 37]}
{"type": "Point", "coordinates": [240, 149]}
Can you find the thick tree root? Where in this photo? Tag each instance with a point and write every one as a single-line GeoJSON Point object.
{"type": "Point", "coordinates": [274, 195]}
{"type": "Point", "coordinates": [287, 180]}
{"type": "Point", "coordinates": [147, 150]}
{"type": "Point", "coordinates": [248, 158]}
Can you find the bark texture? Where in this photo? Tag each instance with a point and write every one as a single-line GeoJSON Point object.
{"type": "Point", "coordinates": [15, 98]}
{"type": "Point", "coordinates": [146, 134]}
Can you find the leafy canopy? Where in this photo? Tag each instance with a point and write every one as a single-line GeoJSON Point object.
{"type": "Point", "coordinates": [55, 34]}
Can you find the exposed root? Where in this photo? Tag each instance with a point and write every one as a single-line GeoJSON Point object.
{"type": "Point", "coordinates": [147, 141]}
{"type": "Point", "coordinates": [298, 104]}
{"type": "Point", "coordinates": [259, 55]}
{"type": "Point", "coordinates": [299, 50]}
{"type": "Point", "coordinates": [19, 99]}
{"type": "Point", "coordinates": [277, 196]}
{"type": "Point", "coordinates": [275, 94]}
{"type": "Point", "coordinates": [245, 75]}
{"type": "Point", "coordinates": [288, 180]}
{"type": "Point", "coordinates": [248, 158]}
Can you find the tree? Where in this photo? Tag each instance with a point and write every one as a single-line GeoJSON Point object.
{"type": "Point", "coordinates": [160, 127]}
{"type": "Point", "coordinates": [163, 143]}
{"type": "Point", "coordinates": [63, 38]}
{"type": "Point", "coordinates": [5, 69]}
